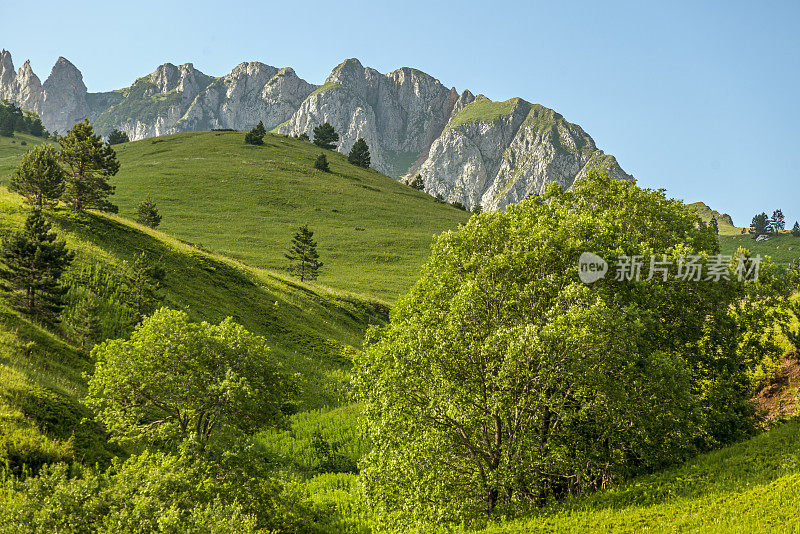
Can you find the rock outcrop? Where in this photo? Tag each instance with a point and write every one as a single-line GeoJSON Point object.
{"type": "Point", "coordinates": [468, 149]}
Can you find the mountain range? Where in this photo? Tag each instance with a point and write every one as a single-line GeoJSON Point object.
{"type": "Point", "coordinates": [467, 148]}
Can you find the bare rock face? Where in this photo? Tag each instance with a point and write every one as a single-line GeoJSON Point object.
{"type": "Point", "coordinates": [494, 154]}
{"type": "Point", "coordinates": [252, 92]}
{"type": "Point", "coordinates": [63, 100]}
{"type": "Point", "coordinates": [398, 114]}
{"type": "Point", "coordinates": [23, 87]}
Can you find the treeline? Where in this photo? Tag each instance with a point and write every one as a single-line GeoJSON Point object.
{"type": "Point", "coordinates": [14, 119]}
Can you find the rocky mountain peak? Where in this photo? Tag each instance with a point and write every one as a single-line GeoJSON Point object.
{"type": "Point", "coordinates": [6, 69]}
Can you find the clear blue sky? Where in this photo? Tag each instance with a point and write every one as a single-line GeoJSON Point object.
{"type": "Point", "coordinates": [701, 98]}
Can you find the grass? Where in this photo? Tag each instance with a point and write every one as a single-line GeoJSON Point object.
{"type": "Point", "coordinates": [246, 202]}
{"type": "Point", "coordinates": [724, 221]}
{"type": "Point", "coordinates": [782, 248]}
{"type": "Point", "coordinates": [752, 486]}
{"type": "Point", "coordinates": [484, 110]}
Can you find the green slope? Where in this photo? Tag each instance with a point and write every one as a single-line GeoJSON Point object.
{"type": "Point", "coordinates": [753, 486]}
{"type": "Point", "coordinates": [310, 327]}
{"type": "Point", "coordinates": [246, 201]}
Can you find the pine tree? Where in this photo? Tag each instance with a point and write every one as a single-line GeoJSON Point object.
{"type": "Point", "coordinates": [796, 229]}
{"type": "Point", "coordinates": [303, 255]}
{"type": "Point", "coordinates": [778, 221]}
{"type": "Point", "coordinates": [714, 225]}
{"type": "Point", "coordinates": [256, 135]}
{"type": "Point", "coordinates": [117, 137]}
{"type": "Point", "coordinates": [32, 263]}
{"type": "Point", "coordinates": [147, 213]}
{"type": "Point", "coordinates": [417, 183]}
{"type": "Point", "coordinates": [325, 136]}
{"type": "Point", "coordinates": [321, 164]}
{"type": "Point", "coordinates": [39, 177]}
{"type": "Point", "coordinates": [6, 126]}
{"type": "Point", "coordinates": [88, 164]}
{"type": "Point", "coordinates": [760, 224]}
{"type": "Point", "coordinates": [303, 136]}
{"type": "Point", "coordinates": [359, 154]}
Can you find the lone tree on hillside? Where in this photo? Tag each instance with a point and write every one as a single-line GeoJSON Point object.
{"type": "Point", "coordinates": [303, 255]}
{"type": "Point", "coordinates": [117, 137]}
{"type": "Point", "coordinates": [796, 229]}
{"type": "Point", "coordinates": [31, 263]}
{"type": "Point", "coordinates": [181, 381]}
{"type": "Point", "coordinates": [39, 177]}
{"type": "Point", "coordinates": [303, 136]}
{"type": "Point", "coordinates": [714, 225]}
{"type": "Point", "coordinates": [88, 164]}
{"type": "Point", "coordinates": [359, 154]}
{"type": "Point", "coordinates": [147, 214]}
{"type": "Point", "coordinates": [321, 164]}
{"type": "Point", "coordinates": [778, 221]}
{"type": "Point", "coordinates": [256, 135]}
{"type": "Point", "coordinates": [325, 136]}
{"type": "Point", "coordinates": [417, 183]}
{"type": "Point", "coordinates": [760, 224]}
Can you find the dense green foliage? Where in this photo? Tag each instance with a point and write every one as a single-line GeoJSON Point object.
{"type": "Point", "coordinates": [325, 136]}
{"type": "Point", "coordinates": [31, 264]}
{"type": "Point", "coordinates": [321, 163]}
{"type": "Point", "coordinates": [417, 183]}
{"type": "Point", "coordinates": [117, 137]}
{"type": "Point", "coordinates": [88, 165]}
{"type": "Point", "coordinates": [502, 379]}
{"type": "Point", "coordinates": [760, 224]}
{"type": "Point", "coordinates": [39, 177]}
{"type": "Point", "coordinates": [13, 119]}
{"type": "Point", "coordinates": [303, 255]}
{"type": "Point", "coordinates": [256, 135]}
{"type": "Point", "coordinates": [174, 381]}
{"type": "Point", "coordinates": [359, 154]}
{"type": "Point", "coordinates": [147, 213]}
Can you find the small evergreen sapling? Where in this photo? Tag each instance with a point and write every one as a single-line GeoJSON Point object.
{"type": "Point", "coordinates": [147, 213]}
{"type": "Point", "coordinates": [321, 164]}
{"type": "Point", "coordinates": [256, 135]}
{"type": "Point", "coordinates": [303, 255]}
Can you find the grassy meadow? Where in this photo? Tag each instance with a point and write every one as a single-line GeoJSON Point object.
{"type": "Point", "coordinates": [246, 202]}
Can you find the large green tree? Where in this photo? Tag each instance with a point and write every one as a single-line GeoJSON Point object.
{"type": "Point", "coordinates": [117, 137]}
{"type": "Point", "coordinates": [39, 177]}
{"type": "Point", "coordinates": [359, 154]}
{"type": "Point", "coordinates": [303, 255]}
{"type": "Point", "coordinates": [502, 378]}
{"type": "Point", "coordinates": [176, 381]}
{"type": "Point", "coordinates": [760, 224]}
{"type": "Point", "coordinates": [31, 263]}
{"type": "Point", "coordinates": [325, 136]}
{"type": "Point", "coordinates": [88, 164]}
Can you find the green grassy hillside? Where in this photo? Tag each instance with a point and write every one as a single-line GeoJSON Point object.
{"type": "Point", "coordinates": [246, 201]}
{"type": "Point", "coordinates": [749, 487]}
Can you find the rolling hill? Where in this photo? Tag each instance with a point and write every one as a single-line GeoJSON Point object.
{"type": "Point", "coordinates": [247, 201]}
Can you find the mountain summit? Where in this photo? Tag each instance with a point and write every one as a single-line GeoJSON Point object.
{"type": "Point", "coordinates": [468, 149]}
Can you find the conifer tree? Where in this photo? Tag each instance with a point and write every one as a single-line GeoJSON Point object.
{"type": "Point", "coordinates": [32, 262]}
{"type": "Point", "coordinates": [256, 135]}
{"type": "Point", "coordinates": [796, 229]}
{"type": "Point", "coordinates": [359, 154]}
{"type": "Point", "coordinates": [778, 221]}
{"type": "Point", "coordinates": [147, 213]}
{"type": "Point", "coordinates": [39, 177]}
{"type": "Point", "coordinates": [117, 137]}
{"type": "Point", "coordinates": [760, 224]}
{"type": "Point", "coordinates": [417, 183]}
{"type": "Point", "coordinates": [321, 164]}
{"type": "Point", "coordinates": [714, 225]}
{"type": "Point", "coordinates": [325, 136]}
{"type": "Point", "coordinates": [88, 164]}
{"type": "Point", "coordinates": [303, 255]}
{"type": "Point", "coordinates": [303, 136]}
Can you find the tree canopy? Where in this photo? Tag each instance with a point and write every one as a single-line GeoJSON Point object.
{"type": "Point", "coordinates": [359, 154]}
{"type": "Point", "coordinates": [303, 255]}
{"type": "Point", "coordinates": [39, 177]}
{"type": "Point", "coordinates": [325, 136]}
{"type": "Point", "coordinates": [147, 213]}
{"type": "Point", "coordinates": [176, 381]}
{"type": "Point", "coordinates": [88, 164]}
{"type": "Point", "coordinates": [117, 137]}
{"type": "Point", "coordinates": [501, 378]}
